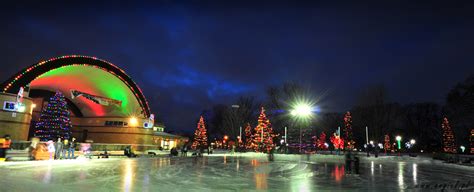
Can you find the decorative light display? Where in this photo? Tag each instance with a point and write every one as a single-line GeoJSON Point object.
{"type": "Point", "coordinates": [54, 120]}
{"type": "Point", "coordinates": [262, 138]}
{"type": "Point", "coordinates": [321, 142]}
{"type": "Point", "coordinates": [337, 141]}
{"type": "Point", "coordinates": [387, 146]}
{"type": "Point", "coordinates": [248, 137]}
{"type": "Point", "coordinates": [448, 137]}
{"type": "Point", "coordinates": [348, 130]}
{"type": "Point", "coordinates": [33, 70]}
{"type": "Point", "coordinates": [200, 135]}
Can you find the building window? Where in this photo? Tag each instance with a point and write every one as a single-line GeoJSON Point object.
{"type": "Point", "coordinates": [116, 124]}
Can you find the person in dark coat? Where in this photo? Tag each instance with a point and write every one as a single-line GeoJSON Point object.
{"type": "Point", "coordinates": [71, 148]}
{"type": "Point", "coordinates": [271, 154]}
{"type": "Point", "coordinates": [128, 152]}
{"type": "Point", "coordinates": [59, 148]}
{"type": "Point", "coordinates": [376, 151]}
{"type": "Point", "coordinates": [201, 151]}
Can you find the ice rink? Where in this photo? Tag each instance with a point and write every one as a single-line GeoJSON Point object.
{"type": "Point", "coordinates": [248, 172]}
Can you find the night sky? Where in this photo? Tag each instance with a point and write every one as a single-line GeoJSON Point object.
{"type": "Point", "coordinates": [187, 57]}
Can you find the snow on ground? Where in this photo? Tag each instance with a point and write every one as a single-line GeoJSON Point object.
{"type": "Point", "coordinates": [239, 172]}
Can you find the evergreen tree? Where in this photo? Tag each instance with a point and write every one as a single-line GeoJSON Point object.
{"type": "Point", "coordinates": [54, 121]}
{"type": "Point", "coordinates": [200, 135]}
{"type": "Point", "coordinates": [262, 138]}
{"type": "Point", "coordinates": [348, 130]}
{"type": "Point", "coordinates": [387, 146]}
{"type": "Point", "coordinates": [322, 141]}
{"type": "Point", "coordinates": [248, 136]}
{"type": "Point", "coordinates": [448, 137]}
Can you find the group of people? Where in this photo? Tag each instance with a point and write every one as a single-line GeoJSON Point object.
{"type": "Point", "coordinates": [58, 149]}
{"type": "Point", "coordinates": [185, 148]}
{"type": "Point", "coordinates": [128, 152]}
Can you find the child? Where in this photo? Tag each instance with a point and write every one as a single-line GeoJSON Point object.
{"type": "Point", "coordinates": [51, 149]}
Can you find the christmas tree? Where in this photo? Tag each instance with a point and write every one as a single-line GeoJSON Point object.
{"type": "Point", "coordinates": [387, 146]}
{"type": "Point", "coordinates": [348, 130]}
{"type": "Point", "coordinates": [448, 137]}
{"type": "Point", "coordinates": [54, 120]}
{"type": "Point", "coordinates": [200, 137]}
{"type": "Point", "coordinates": [248, 136]}
{"type": "Point", "coordinates": [262, 138]}
{"type": "Point", "coordinates": [322, 141]}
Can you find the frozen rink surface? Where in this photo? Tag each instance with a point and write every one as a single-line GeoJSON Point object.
{"type": "Point", "coordinates": [247, 172]}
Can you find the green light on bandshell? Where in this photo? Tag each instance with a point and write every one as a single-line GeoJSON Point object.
{"type": "Point", "coordinates": [143, 105]}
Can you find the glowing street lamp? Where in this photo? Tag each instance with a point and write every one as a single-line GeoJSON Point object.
{"type": "Point", "coordinates": [398, 138]}
{"type": "Point", "coordinates": [302, 111]}
{"type": "Point", "coordinates": [412, 141]}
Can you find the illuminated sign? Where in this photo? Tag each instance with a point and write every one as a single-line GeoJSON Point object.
{"type": "Point", "coordinates": [14, 106]}
{"type": "Point", "coordinates": [9, 106]}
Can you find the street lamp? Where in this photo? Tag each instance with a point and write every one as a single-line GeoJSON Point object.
{"type": "Point", "coordinates": [302, 111]}
{"type": "Point", "coordinates": [398, 138]}
{"type": "Point", "coordinates": [412, 141]}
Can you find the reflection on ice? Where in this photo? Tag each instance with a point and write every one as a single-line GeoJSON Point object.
{"type": "Point", "coordinates": [236, 174]}
{"type": "Point", "coordinates": [128, 175]}
{"type": "Point", "coordinates": [261, 181]}
{"type": "Point", "coordinates": [414, 174]}
{"type": "Point", "coordinates": [401, 184]}
{"type": "Point", "coordinates": [338, 173]}
{"type": "Point", "coordinates": [47, 175]}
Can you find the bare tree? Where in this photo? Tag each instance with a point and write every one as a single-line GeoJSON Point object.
{"type": "Point", "coordinates": [244, 112]}
{"type": "Point", "coordinates": [460, 109]}
{"type": "Point", "coordinates": [377, 114]}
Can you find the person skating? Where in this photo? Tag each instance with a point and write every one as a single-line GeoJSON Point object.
{"type": "Point", "coordinates": [201, 151]}
{"type": "Point", "coordinates": [58, 149]}
{"type": "Point", "coordinates": [51, 149]}
{"type": "Point", "coordinates": [182, 151]}
{"type": "Point", "coordinates": [71, 148]}
{"type": "Point", "coordinates": [376, 151]}
{"type": "Point", "coordinates": [185, 150]}
{"type": "Point", "coordinates": [65, 149]}
{"type": "Point", "coordinates": [271, 154]}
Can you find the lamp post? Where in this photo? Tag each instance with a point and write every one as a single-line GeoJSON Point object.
{"type": "Point", "coordinates": [399, 138]}
{"type": "Point", "coordinates": [302, 111]}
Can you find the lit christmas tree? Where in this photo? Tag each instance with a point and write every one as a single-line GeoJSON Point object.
{"type": "Point", "coordinates": [348, 130]}
{"type": "Point", "coordinates": [387, 146]}
{"type": "Point", "coordinates": [262, 138]}
{"type": "Point", "coordinates": [322, 141]}
{"type": "Point", "coordinates": [54, 120]}
{"type": "Point", "coordinates": [248, 137]}
{"type": "Point", "coordinates": [200, 137]}
{"type": "Point", "coordinates": [448, 137]}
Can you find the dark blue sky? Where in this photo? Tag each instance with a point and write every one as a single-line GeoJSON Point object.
{"type": "Point", "coordinates": [189, 56]}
